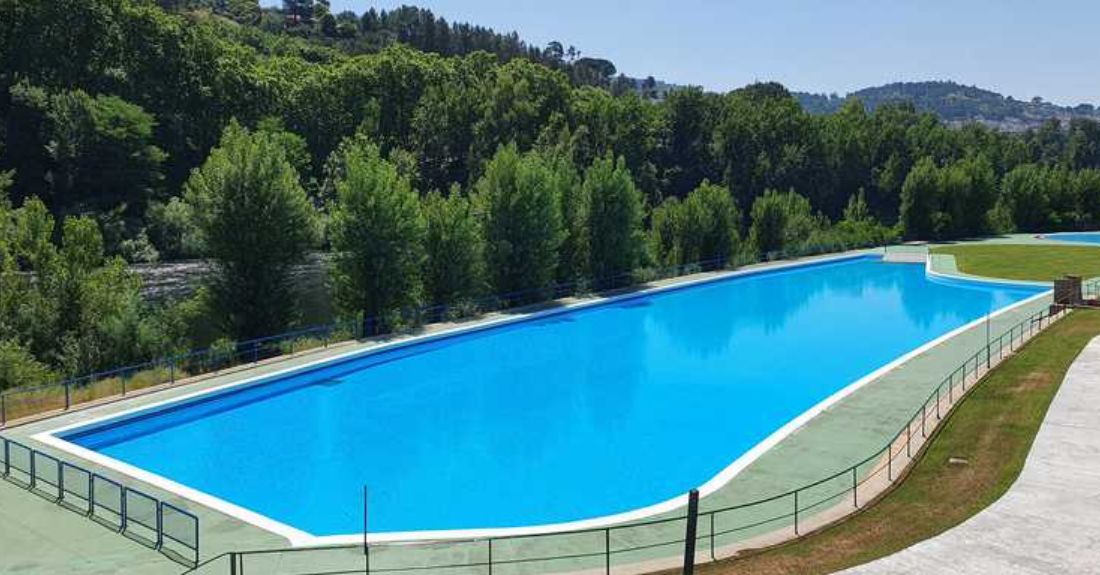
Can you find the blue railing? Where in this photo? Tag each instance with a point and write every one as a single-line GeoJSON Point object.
{"type": "Point", "coordinates": [157, 524]}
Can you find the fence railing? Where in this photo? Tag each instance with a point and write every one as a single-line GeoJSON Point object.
{"type": "Point", "coordinates": [655, 544]}
{"type": "Point", "coordinates": [128, 511]}
{"type": "Point", "coordinates": [23, 402]}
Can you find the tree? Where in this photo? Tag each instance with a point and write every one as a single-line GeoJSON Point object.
{"type": "Point", "coordinates": [173, 230]}
{"type": "Point", "coordinates": [244, 11]}
{"type": "Point", "coordinates": [19, 367]}
{"type": "Point", "coordinates": [764, 140]}
{"type": "Point", "coordinates": [104, 148]}
{"type": "Point", "coordinates": [378, 234]}
{"type": "Point", "coordinates": [982, 195]}
{"type": "Point", "coordinates": [614, 221]}
{"type": "Point", "coordinates": [666, 233]}
{"type": "Point", "coordinates": [1087, 191]}
{"type": "Point", "coordinates": [779, 222]}
{"type": "Point", "coordinates": [298, 11]}
{"type": "Point", "coordinates": [1024, 198]}
{"type": "Point", "coordinates": [920, 200]}
{"type": "Point", "coordinates": [520, 99]}
{"type": "Point", "coordinates": [709, 227]}
{"type": "Point", "coordinates": [690, 113]}
{"type": "Point", "coordinates": [455, 247]}
{"type": "Point", "coordinates": [522, 221]}
{"type": "Point", "coordinates": [573, 255]}
{"type": "Point", "coordinates": [257, 224]}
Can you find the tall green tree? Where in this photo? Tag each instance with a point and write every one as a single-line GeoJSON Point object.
{"type": "Point", "coordinates": [455, 247]}
{"type": "Point", "coordinates": [920, 199]}
{"type": "Point", "coordinates": [103, 151]}
{"type": "Point", "coordinates": [710, 226]}
{"type": "Point", "coordinates": [378, 234]}
{"type": "Point", "coordinates": [1087, 191]}
{"type": "Point", "coordinates": [1024, 197]}
{"type": "Point", "coordinates": [780, 221]}
{"type": "Point", "coordinates": [522, 220]}
{"type": "Point", "coordinates": [666, 233]}
{"type": "Point", "coordinates": [257, 224]}
{"type": "Point", "coordinates": [690, 115]}
{"type": "Point", "coordinates": [573, 255]}
{"type": "Point", "coordinates": [616, 241]}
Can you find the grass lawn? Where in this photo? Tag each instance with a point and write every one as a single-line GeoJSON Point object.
{"type": "Point", "coordinates": [993, 429]}
{"type": "Point", "coordinates": [1025, 262]}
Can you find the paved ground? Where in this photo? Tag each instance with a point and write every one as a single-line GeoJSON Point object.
{"type": "Point", "coordinates": [40, 537]}
{"type": "Point", "coordinates": [1049, 521]}
{"type": "Point", "coordinates": [842, 435]}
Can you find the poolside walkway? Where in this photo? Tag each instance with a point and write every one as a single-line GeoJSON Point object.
{"type": "Point", "coordinates": [41, 537]}
{"type": "Point", "coordinates": [1047, 522]}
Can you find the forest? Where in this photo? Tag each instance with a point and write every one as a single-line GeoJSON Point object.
{"type": "Point", "coordinates": [429, 173]}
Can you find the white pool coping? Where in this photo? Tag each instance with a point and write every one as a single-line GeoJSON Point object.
{"type": "Point", "coordinates": [299, 538]}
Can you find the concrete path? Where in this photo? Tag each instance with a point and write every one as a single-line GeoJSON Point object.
{"type": "Point", "coordinates": [1049, 521]}
{"type": "Point", "coordinates": [40, 537]}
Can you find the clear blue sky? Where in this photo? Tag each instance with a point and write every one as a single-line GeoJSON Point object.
{"type": "Point", "coordinates": [1016, 47]}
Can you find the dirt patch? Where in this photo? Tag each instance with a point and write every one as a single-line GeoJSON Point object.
{"type": "Point", "coordinates": [1033, 381]}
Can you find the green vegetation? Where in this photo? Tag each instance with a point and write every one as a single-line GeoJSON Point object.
{"type": "Point", "coordinates": [66, 306]}
{"type": "Point", "coordinates": [1025, 262]}
{"type": "Point", "coordinates": [222, 130]}
{"type": "Point", "coordinates": [455, 270]}
{"type": "Point", "coordinates": [614, 220]}
{"type": "Point", "coordinates": [992, 429]}
{"type": "Point", "coordinates": [257, 223]}
{"type": "Point", "coordinates": [522, 217]}
{"type": "Point", "coordinates": [377, 234]}
{"type": "Point", "coordinates": [954, 103]}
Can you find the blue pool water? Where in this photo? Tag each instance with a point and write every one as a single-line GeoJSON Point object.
{"type": "Point", "coordinates": [579, 414]}
{"type": "Point", "coordinates": [1083, 237]}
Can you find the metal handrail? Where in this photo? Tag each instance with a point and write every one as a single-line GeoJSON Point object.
{"type": "Point", "coordinates": [62, 492]}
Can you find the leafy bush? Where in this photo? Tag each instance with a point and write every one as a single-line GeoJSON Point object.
{"type": "Point", "coordinates": [19, 368]}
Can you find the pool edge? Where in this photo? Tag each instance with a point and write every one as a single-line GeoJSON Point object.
{"type": "Point", "coordinates": [299, 538]}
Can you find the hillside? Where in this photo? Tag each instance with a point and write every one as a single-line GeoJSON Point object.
{"type": "Point", "coordinates": [955, 103]}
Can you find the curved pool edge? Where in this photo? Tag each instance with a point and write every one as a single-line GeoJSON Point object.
{"type": "Point", "coordinates": [299, 538]}
{"type": "Point", "coordinates": [957, 276]}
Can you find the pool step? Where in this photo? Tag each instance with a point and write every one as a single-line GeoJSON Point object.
{"type": "Point", "coordinates": [905, 257]}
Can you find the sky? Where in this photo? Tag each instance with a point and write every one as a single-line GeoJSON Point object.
{"type": "Point", "coordinates": [1015, 47]}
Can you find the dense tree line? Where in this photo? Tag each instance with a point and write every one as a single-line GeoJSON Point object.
{"type": "Point", "coordinates": [134, 133]}
{"type": "Point", "coordinates": [952, 102]}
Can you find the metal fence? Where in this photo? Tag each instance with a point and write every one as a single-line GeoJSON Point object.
{"type": "Point", "coordinates": [128, 511]}
{"type": "Point", "coordinates": [25, 402]}
{"type": "Point", "coordinates": [656, 544]}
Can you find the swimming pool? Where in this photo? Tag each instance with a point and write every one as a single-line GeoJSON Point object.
{"type": "Point", "coordinates": [570, 415]}
{"type": "Point", "coordinates": [1077, 237]}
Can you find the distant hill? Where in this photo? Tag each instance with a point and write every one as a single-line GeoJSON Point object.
{"type": "Point", "coordinates": [955, 103]}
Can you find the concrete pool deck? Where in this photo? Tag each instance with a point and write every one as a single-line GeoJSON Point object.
{"type": "Point", "coordinates": [842, 435]}
{"type": "Point", "coordinates": [1047, 521]}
